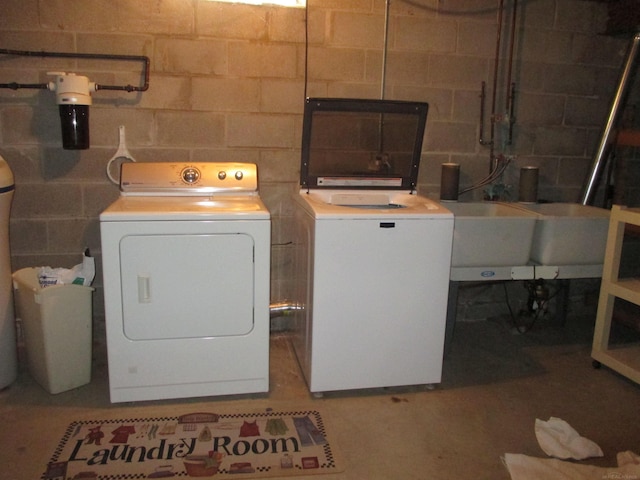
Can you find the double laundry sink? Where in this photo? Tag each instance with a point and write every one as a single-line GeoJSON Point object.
{"type": "Point", "coordinates": [511, 234]}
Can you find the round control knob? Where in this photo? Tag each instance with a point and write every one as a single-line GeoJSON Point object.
{"type": "Point", "coordinates": [239, 175]}
{"type": "Point", "coordinates": [190, 175]}
{"type": "Point", "coordinates": [222, 175]}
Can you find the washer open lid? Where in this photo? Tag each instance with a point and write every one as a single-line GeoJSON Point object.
{"type": "Point", "coordinates": [362, 143]}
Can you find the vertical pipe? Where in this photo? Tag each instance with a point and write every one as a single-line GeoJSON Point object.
{"type": "Point", "coordinates": [306, 49]}
{"type": "Point", "coordinates": [384, 50]}
{"type": "Point", "coordinates": [495, 86]}
{"type": "Point", "coordinates": [608, 132]}
{"type": "Point", "coordinates": [511, 111]}
{"type": "Point", "coordinates": [511, 85]}
{"type": "Point", "coordinates": [483, 97]}
{"type": "Point", "coordinates": [383, 81]}
{"type": "Point", "coordinates": [511, 46]}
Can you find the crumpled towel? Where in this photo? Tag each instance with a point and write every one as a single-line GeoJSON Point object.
{"type": "Point", "coordinates": [523, 467]}
{"type": "Point", "coordinates": [627, 458]}
{"type": "Point", "coordinates": [558, 439]}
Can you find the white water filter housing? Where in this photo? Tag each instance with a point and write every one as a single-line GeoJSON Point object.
{"type": "Point", "coordinates": [8, 350]}
{"type": "Point", "coordinates": [73, 96]}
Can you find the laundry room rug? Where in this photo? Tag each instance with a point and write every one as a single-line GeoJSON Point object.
{"type": "Point", "coordinates": [237, 445]}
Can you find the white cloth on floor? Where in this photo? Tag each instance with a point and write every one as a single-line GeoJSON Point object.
{"type": "Point", "coordinates": [559, 439]}
{"type": "Point", "coordinates": [523, 467]}
{"type": "Point", "coordinates": [627, 458]}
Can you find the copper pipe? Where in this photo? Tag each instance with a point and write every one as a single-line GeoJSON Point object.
{"type": "Point", "coordinates": [491, 140]}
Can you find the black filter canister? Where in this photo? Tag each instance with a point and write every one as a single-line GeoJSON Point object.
{"type": "Point", "coordinates": [528, 191]}
{"type": "Point", "coordinates": [74, 120]}
{"type": "Point", "coordinates": [449, 181]}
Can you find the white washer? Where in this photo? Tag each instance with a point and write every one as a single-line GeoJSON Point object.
{"type": "Point", "coordinates": [186, 258]}
{"type": "Point", "coordinates": [372, 256]}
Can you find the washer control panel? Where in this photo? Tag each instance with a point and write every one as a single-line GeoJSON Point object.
{"type": "Point", "coordinates": [204, 178]}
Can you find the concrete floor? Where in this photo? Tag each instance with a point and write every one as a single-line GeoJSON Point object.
{"type": "Point", "coordinates": [495, 384]}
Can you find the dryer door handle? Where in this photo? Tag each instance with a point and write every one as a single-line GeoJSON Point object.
{"type": "Point", "coordinates": [144, 290]}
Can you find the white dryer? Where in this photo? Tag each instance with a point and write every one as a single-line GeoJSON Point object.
{"type": "Point", "coordinates": [186, 259]}
{"type": "Point", "coordinates": [372, 256]}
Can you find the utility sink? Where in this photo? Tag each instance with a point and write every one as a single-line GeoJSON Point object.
{"type": "Point", "coordinates": [568, 233]}
{"type": "Point", "coordinates": [488, 234]}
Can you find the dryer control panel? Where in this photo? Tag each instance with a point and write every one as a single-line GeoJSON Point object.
{"type": "Point", "coordinates": [203, 178]}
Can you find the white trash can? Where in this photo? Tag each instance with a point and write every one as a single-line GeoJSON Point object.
{"type": "Point", "coordinates": [57, 326]}
{"type": "Point", "coordinates": [8, 350]}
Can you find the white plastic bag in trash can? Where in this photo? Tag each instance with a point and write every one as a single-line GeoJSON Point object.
{"type": "Point", "coordinates": [81, 274]}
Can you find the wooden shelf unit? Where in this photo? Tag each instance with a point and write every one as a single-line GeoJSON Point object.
{"type": "Point", "coordinates": [623, 359]}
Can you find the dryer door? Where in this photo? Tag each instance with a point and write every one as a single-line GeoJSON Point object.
{"type": "Point", "coordinates": [187, 286]}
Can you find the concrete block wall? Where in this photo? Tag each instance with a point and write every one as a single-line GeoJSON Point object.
{"type": "Point", "coordinates": [227, 83]}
